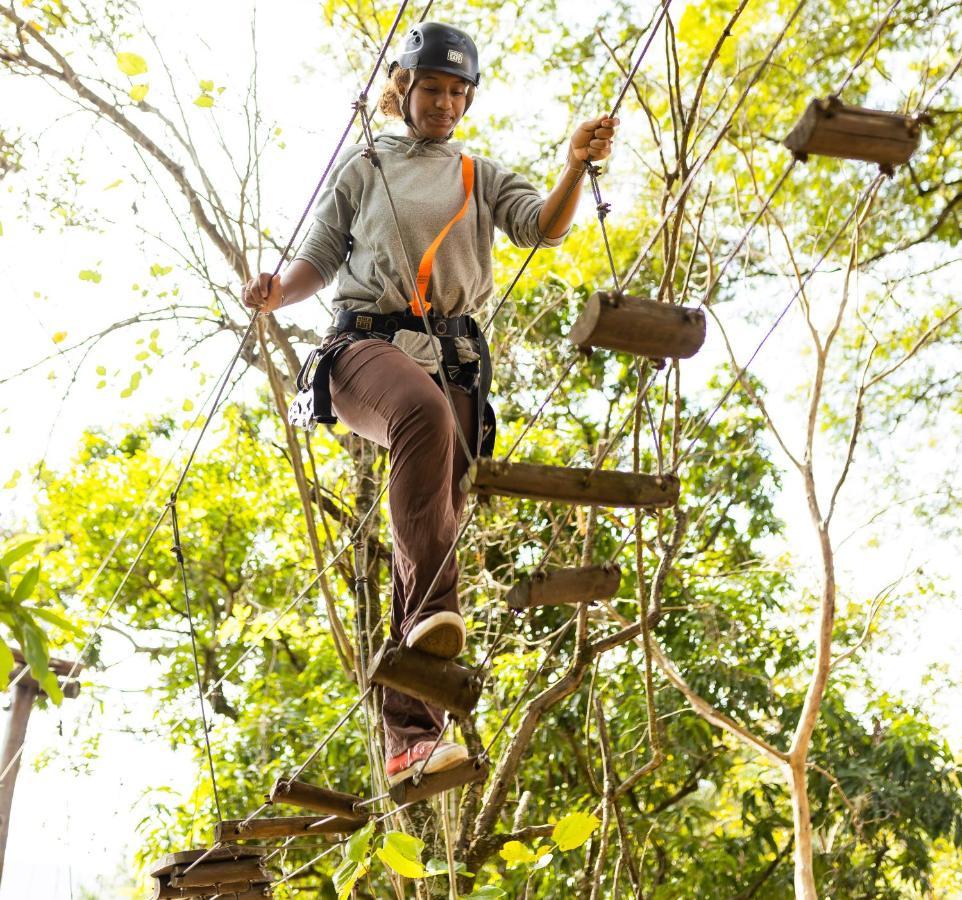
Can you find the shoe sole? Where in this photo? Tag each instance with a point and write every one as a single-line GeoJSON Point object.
{"type": "Point", "coordinates": [439, 762]}
{"type": "Point", "coordinates": [445, 641]}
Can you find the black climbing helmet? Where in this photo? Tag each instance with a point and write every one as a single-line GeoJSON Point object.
{"type": "Point", "coordinates": [430, 45]}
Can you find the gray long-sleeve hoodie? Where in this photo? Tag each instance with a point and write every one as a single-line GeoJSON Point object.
{"type": "Point", "coordinates": [353, 236]}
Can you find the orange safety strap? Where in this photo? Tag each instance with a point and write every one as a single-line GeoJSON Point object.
{"type": "Point", "coordinates": [427, 261]}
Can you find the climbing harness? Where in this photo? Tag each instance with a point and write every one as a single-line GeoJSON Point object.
{"type": "Point", "coordinates": [312, 403]}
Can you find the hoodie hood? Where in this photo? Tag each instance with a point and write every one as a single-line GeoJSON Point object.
{"type": "Point", "coordinates": [409, 146]}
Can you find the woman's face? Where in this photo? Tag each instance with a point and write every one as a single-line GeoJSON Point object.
{"type": "Point", "coordinates": [436, 103]}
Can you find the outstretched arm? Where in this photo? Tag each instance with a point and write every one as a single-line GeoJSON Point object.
{"type": "Point", "coordinates": [590, 142]}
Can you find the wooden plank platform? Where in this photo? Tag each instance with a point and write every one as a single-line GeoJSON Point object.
{"type": "Point", "coordinates": [185, 857]}
{"type": "Point", "coordinates": [828, 127]}
{"type": "Point", "coordinates": [639, 326]}
{"type": "Point", "coordinates": [466, 772]}
{"type": "Point", "coordinates": [210, 874]}
{"type": "Point", "coordinates": [228, 891]}
{"type": "Point", "coordinates": [563, 586]}
{"type": "Point", "coordinates": [488, 477]}
{"type": "Point", "coordinates": [318, 799]}
{"type": "Point", "coordinates": [440, 682]}
{"type": "Point", "coordinates": [283, 826]}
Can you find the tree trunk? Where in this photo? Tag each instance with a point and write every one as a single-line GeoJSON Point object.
{"type": "Point", "coordinates": [24, 695]}
{"type": "Point", "coordinates": [802, 818]}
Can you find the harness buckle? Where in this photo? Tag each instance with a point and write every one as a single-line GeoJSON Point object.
{"type": "Point", "coordinates": [441, 328]}
{"type": "Point", "coordinates": [364, 323]}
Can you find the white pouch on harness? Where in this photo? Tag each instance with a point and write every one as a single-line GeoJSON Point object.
{"type": "Point", "coordinates": [300, 413]}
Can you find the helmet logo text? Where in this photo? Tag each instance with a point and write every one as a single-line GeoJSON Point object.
{"type": "Point", "coordinates": [455, 56]}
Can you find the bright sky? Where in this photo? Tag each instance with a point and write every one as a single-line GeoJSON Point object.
{"type": "Point", "coordinates": [86, 812]}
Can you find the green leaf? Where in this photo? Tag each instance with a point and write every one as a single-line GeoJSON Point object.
{"type": "Point", "coordinates": [131, 64]}
{"type": "Point", "coordinates": [27, 584]}
{"type": "Point", "coordinates": [345, 876]}
{"type": "Point", "coordinates": [18, 551]}
{"type": "Point", "coordinates": [11, 482]}
{"type": "Point", "coordinates": [157, 270]}
{"type": "Point", "coordinates": [402, 852]}
{"type": "Point", "coordinates": [359, 846]}
{"type": "Point", "coordinates": [6, 663]}
{"type": "Point", "coordinates": [207, 85]}
{"type": "Point", "coordinates": [440, 867]}
{"type": "Point", "coordinates": [205, 101]}
{"type": "Point", "coordinates": [488, 892]}
{"type": "Point", "coordinates": [90, 275]}
{"type": "Point", "coordinates": [138, 92]}
{"type": "Point", "coordinates": [574, 829]}
{"type": "Point", "coordinates": [62, 622]}
{"type": "Point", "coordinates": [514, 853]}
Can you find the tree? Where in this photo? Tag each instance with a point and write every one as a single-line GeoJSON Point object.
{"type": "Point", "coordinates": [724, 622]}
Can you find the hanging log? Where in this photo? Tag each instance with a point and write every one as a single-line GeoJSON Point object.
{"type": "Point", "coordinates": [583, 486]}
{"type": "Point", "coordinates": [639, 326]}
{"type": "Point", "coordinates": [566, 586]}
{"type": "Point", "coordinates": [440, 682]}
{"type": "Point", "coordinates": [209, 874]}
{"type": "Point", "coordinates": [830, 128]}
{"type": "Point", "coordinates": [318, 799]}
{"type": "Point", "coordinates": [184, 858]}
{"type": "Point", "coordinates": [283, 826]}
{"type": "Point", "coordinates": [466, 772]}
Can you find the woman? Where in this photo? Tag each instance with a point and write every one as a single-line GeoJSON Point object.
{"type": "Point", "coordinates": [383, 364]}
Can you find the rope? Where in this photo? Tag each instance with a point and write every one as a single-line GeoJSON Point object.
{"type": "Point", "coordinates": [867, 194]}
{"type": "Point", "coordinates": [179, 555]}
{"type": "Point", "coordinates": [524, 265]}
{"type": "Point", "coordinates": [719, 135]}
{"type": "Point", "coordinates": [868, 44]}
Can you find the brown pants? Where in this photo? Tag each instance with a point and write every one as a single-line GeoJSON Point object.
{"type": "Point", "coordinates": [381, 394]}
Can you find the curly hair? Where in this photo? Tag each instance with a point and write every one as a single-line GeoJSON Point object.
{"type": "Point", "coordinates": [399, 83]}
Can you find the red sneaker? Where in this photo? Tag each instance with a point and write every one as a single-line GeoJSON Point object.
{"type": "Point", "coordinates": [405, 765]}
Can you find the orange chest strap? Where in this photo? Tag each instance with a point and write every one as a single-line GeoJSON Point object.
{"type": "Point", "coordinates": [427, 261]}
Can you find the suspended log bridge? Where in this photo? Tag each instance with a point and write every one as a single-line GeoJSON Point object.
{"type": "Point", "coordinates": [830, 128]}
{"type": "Point", "coordinates": [589, 487]}
{"type": "Point", "coordinates": [230, 869]}
{"type": "Point", "coordinates": [283, 826]}
{"type": "Point", "coordinates": [440, 682]}
{"type": "Point", "coordinates": [318, 799]}
{"type": "Point", "coordinates": [467, 772]}
{"type": "Point", "coordinates": [564, 586]}
{"type": "Point", "coordinates": [639, 326]}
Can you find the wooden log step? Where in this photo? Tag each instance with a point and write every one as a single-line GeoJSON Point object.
{"type": "Point", "coordinates": [164, 891]}
{"type": "Point", "coordinates": [830, 128]}
{"type": "Point", "coordinates": [466, 772]}
{"type": "Point", "coordinates": [184, 858]}
{"type": "Point", "coordinates": [639, 326]}
{"type": "Point", "coordinates": [211, 874]}
{"type": "Point", "coordinates": [583, 486]}
{"type": "Point", "coordinates": [440, 682]}
{"type": "Point", "coordinates": [562, 586]}
{"type": "Point", "coordinates": [318, 799]}
{"type": "Point", "coordinates": [283, 826]}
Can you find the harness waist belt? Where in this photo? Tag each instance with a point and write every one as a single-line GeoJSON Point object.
{"type": "Point", "coordinates": [388, 323]}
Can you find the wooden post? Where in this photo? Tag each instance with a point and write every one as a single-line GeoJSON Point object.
{"type": "Point", "coordinates": [26, 692]}
{"type": "Point", "coordinates": [563, 586]}
{"type": "Point", "coordinates": [441, 682]}
{"type": "Point", "coordinates": [583, 486]}
{"type": "Point", "coordinates": [24, 695]}
{"type": "Point", "coordinates": [467, 772]}
{"type": "Point", "coordinates": [639, 326]}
